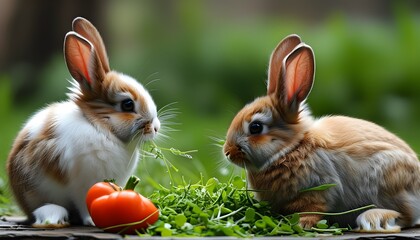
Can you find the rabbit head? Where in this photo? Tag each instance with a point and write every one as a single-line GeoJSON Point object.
{"type": "Point", "coordinates": [111, 100]}
{"type": "Point", "coordinates": [273, 124]}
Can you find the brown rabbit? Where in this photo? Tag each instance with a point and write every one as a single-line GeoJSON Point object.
{"type": "Point", "coordinates": [285, 150]}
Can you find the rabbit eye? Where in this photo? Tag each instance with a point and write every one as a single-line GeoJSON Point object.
{"type": "Point", "coordinates": [127, 105]}
{"type": "Point", "coordinates": [256, 127]}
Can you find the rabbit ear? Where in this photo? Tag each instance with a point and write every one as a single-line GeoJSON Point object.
{"type": "Point", "coordinates": [82, 62]}
{"type": "Point", "coordinates": [298, 72]}
{"type": "Point", "coordinates": [296, 80]}
{"type": "Point", "coordinates": [88, 31]}
{"type": "Point", "coordinates": [280, 52]}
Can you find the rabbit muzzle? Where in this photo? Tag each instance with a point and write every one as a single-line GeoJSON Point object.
{"type": "Point", "coordinates": [235, 154]}
{"type": "Point", "coordinates": [148, 129]}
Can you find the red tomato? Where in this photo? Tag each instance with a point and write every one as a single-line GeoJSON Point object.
{"type": "Point", "coordinates": [113, 208]}
{"type": "Point", "coordinates": [100, 189]}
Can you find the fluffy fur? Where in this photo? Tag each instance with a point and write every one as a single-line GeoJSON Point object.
{"type": "Point", "coordinates": [285, 150]}
{"type": "Point", "coordinates": [68, 146]}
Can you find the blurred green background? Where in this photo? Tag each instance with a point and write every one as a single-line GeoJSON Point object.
{"type": "Point", "coordinates": [211, 57]}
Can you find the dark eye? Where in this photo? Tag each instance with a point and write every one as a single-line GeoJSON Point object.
{"type": "Point", "coordinates": [127, 105]}
{"type": "Point", "coordinates": [256, 127]}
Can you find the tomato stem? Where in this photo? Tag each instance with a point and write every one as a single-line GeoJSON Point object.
{"type": "Point", "coordinates": [131, 183]}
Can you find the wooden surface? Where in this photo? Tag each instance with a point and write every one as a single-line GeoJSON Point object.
{"type": "Point", "coordinates": [11, 229]}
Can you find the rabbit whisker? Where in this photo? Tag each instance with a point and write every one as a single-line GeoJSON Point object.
{"type": "Point", "coordinates": [138, 144]}
{"type": "Point", "coordinates": [165, 115]}
{"type": "Point", "coordinates": [153, 80]}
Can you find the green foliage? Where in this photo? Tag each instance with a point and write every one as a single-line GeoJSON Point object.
{"type": "Point", "coordinates": [214, 208]}
{"type": "Point", "coordinates": [319, 188]}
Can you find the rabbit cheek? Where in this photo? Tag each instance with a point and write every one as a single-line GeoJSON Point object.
{"type": "Point", "coordinates": [259, 140]}
{"type": "Point", "coordinates": [262, 150]}
{"type": "Point", "coordinates": [122, 126]}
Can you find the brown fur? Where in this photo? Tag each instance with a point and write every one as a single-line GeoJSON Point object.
{"type": "Point", "coordinates": [285, 178]}
{"type": "Point", "coordinates": [352, 138]}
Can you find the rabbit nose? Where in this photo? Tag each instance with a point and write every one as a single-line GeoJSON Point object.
{"type": "Point", "coordinates": [228, 155]}
{"type": "Point", "coordinates": [232, 150]}
{"type": "Point", "coordinates": [156, 125]}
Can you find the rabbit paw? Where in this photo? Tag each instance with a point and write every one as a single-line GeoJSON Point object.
{"type": "Point", "coordinates": [307, 222]}
{"type": "Point", "coordinates": [51, 216]}
{"type": "Point", "coordinates": [378, 221]}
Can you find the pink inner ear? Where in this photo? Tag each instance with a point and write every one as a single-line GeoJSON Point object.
{"type": "Point", "coordinates": [79, 56]}
{"type": "Point", "coordinates": [84, 60]}
{"type": "Point", "coordinates": [297, 75]}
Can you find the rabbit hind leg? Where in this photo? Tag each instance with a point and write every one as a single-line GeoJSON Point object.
{"type": "Point", "coordinates": [378, 221]}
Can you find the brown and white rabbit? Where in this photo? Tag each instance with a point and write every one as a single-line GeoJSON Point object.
{"type": "Point", "coordinates": [68, 146]}
{"type": "Point", "coordinates": [285, 150]}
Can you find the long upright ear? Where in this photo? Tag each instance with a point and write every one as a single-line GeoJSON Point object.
{"type": "Point", "coordinates": [88, 31]}
{"type": "Point", "coordinates": [82, 62]}
{"type": "Point", "coordinates": [280, 52]}
{"type": "Point", "coordinates": [296, 81]}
